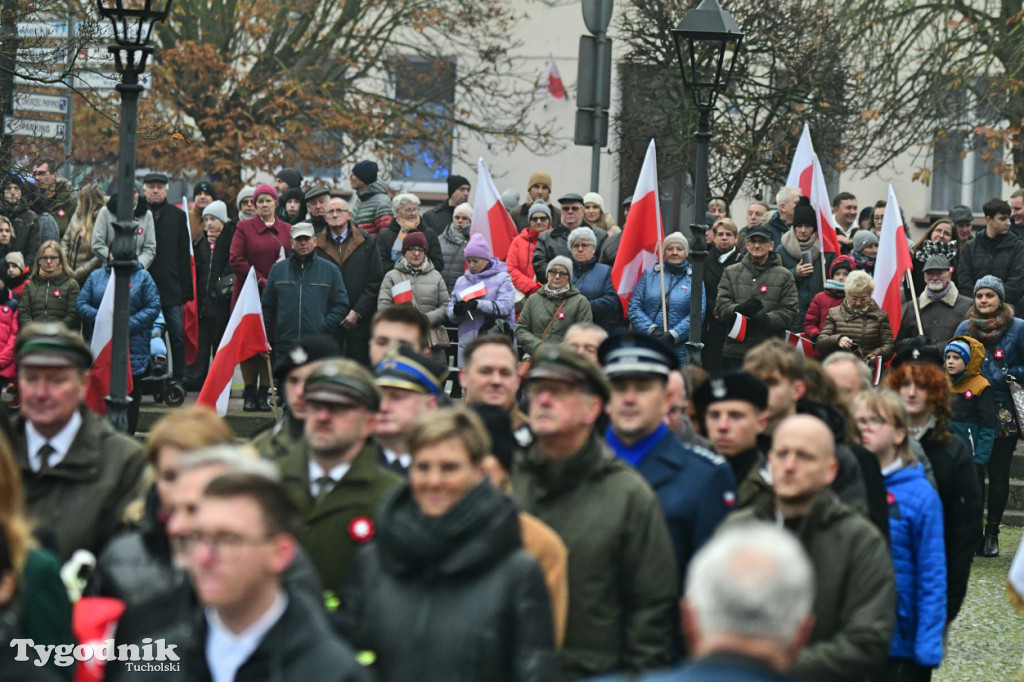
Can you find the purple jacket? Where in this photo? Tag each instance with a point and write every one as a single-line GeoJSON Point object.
{"type": "Point", "coordinates": [499, 301]}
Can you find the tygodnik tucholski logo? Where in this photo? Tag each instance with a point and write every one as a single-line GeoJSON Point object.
{"type": "Point", "coordinates": [152, 656]}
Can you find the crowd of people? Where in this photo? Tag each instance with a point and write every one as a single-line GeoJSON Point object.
{"type": "Point", "coordinates": [818, 519]}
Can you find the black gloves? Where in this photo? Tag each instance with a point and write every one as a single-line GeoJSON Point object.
{"type": "Point", "coordinates": [472, 304]}
{"type": "Point", "coordinates": [750, 307]}
{"type": "Point", "coordinates": [661, 335]}
{"type": "Point", "coordinates": [460, 308]}
{"type": "Point", "coordinates": [759, 320]}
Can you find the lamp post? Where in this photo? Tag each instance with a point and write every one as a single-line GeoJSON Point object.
{"type": "Point", "coordinates": [132, 21]}
{"type": "Point", "coordinates": [707, 40]}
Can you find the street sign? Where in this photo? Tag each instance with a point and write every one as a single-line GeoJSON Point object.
{"type": "Point", "coordinates": [44, 83]}
{"type": "Point", "coordinates": [43, 29]}
{"type": "Point", "coordinates": [28, 127]}
{"type": "Point", "coordinates": [106, 80]}
{"type": "Point", "coordinates": [44, 104]}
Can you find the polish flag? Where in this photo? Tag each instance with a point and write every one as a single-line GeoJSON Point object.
{"type": "Point", "coordinates": [102, 344]}
{"type": "Point", "coordinates": [550, 84]}
{"type": "Point", "coordinates": [281, 255]}
{"type": "Point", "coordinates": [739, 328]}
{"type": "Point", "coordinates": [402, 292]}
{"type": "Point", "coordinates": [190, 311]}
{"type": "Point", "coordinates": [806, 174]}
{"type": "Point", "coordinates": [892, 263]}
{"type": "Point", "coordinates": [490, 217]}
{"type": "Point", "coordinates": [476, 291]}
{"type": "Point", "coordinates": [801, 342]}
{"type": "Point", "coordinates": [640, 244]}
{"type": "Point", "coordinates": [244, 337]}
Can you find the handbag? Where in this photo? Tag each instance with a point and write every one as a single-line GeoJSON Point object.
{"type": "Point", "coordinates": [1016, 393]}
{"type": "Point", "coordinates": [525, 364]}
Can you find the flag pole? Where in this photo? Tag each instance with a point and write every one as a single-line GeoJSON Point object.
{"type": "Point", "coordinates": [913, 299]}
{"type": "Point", "coordinates": [273, 386]}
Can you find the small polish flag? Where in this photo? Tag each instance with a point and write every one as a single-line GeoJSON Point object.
{"type": "Point", "coordinates": [281, 256]}
{"type": "Point", "coordinates": [801, 342]}
{"type": "Point", "coordinates": [190, 311]}
{"type": "Point", "coordinates": [878, 369]}
{"type": "Point", "coordinates": [476, 291]}
{"type": "Point", "coordinates": [739, 328]}
{"type": "Point", "coordinates": [550, 84]}
{"type": "Point", "coordinates": [402, 292]}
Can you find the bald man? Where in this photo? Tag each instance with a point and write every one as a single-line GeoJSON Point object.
{"type": "Point", "coordinates": [855, 599]}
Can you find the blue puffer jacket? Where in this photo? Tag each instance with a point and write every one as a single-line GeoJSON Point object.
{"type": "Point", "coordinates": [594, 280]}
{"type": "Point", "coordinates": [919, 557]}
{"type": "Point", "coordinates": [645, 305]}
{"type": "Point", "coordinates": [1012, 346]}
{"type": "Point", "coordinates": [145, 306]}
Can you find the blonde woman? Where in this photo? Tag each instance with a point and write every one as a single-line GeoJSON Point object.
{"type": "Point", "coordinates": [857, 324]}
{"type": "Point", "coordinates": [51, 291]}
{"type": "Point", "coordinates": [77, 240]}
{"type": "Point", "coordinates": [406, 221]}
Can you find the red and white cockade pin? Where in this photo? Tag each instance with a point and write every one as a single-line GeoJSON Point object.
{"type": "Point", "coordinates": [729, 498]}
{"type": "Point", "coordinates": [968, 394]}
{"type": "Point", "coordinates": [361, 529]}
{"type": "Point", "coordinates": [764, 289]}
{"type": "Point", "coordinates": [891, 498]}
{"type": "Point", "coordinates": [56, 293]}
{"type": "Point", "coordinates": [140, 229]}
{"type": "Point", "coordinates": [561, 314]}
{"type": "Point", "coordinates": [999, 353]}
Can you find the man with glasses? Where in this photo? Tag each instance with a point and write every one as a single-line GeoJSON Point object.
{"type": "Point", "coordinates": [333, 477]}
{"type": "Point", "coordinates": [942, 305]}
{"type": "Point", "coordinates": [622, 600]}
{"type": "Point", "coordinates": [855, 602]}
{"type": "Point", "coordinates": [759, 289]}
{"type": "Point", "coordinates": [52, 195]}
{"type": "Point", "coordinates": [554, 242]}
{"type": "Point", "coordinates": [244, 540]}
{"type": "Point", "coordinates": [355, 253]}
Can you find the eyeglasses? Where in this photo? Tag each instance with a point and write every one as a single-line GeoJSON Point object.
{"type": "Point", "coordinates": [539, 219]}
{"type": "Point", "coordinates": [335, 211]}
{"type": "Point", "coordinates": [557, 273]}
{"type": "Point", "coordinates": [415, 249]}
{"type": "Point", "coordinates": [579, 246]}
{"type": "Point", "coordinates": [220, 543]}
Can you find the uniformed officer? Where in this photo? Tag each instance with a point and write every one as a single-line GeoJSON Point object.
{"type": "Point", "coordinates": [695, 486]}
{"type": "Point", "coordinates": [734, 408]}
{"type": "Point", "coordinates": [333, 477]}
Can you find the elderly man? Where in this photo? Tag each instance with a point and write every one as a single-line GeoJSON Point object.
{"type": "Point", "coordinates": [538, 189]}
{"type": "Point", "coordinates": [850, 374]}
{"type": "Point", "coordinates": [410, 385]}
{"type": "Point", "coordinates": [962, 218]}
{"type": "Point", "coordinates": [317, 199]}
{"type": "Point", "coordinates": [855, 596]}
{"type": "Point", "coordinates": [440, 217]}
{"type": "Point", "coordinates": [787, 199]}
{"type": "Point", "coordinates": [355, 253]}
{"type": "Point", "coordinates": [585, 338]}
{"type": "Point", "coordinates": [555, 242]}
{"type": "Point", "coordinates": [78, 473]}
{"type": "Point", "coordinates": [304, 293]}
{"type": "Point", "coordinates": [941, 304]}
{"type": "Point", "coordinates": [621, 597]}
{"type": "Point", "coordinates": [332, 475]}
{"type": "Point", "coordinates": [252, 629]}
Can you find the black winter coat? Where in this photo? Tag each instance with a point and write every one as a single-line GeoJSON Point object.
{"type": "Point", "coordinates": [452, 598]}
{"type": "Point", "coordinates": [171, 269]}
{"type": "Point", "coordinates": [214, 276]}
{"type": "Point", "coordinates": [26, 231]}
{"type": "Point", "coordinates": [1002, 257]}
{"type": "Point", "coordinates": [386, 239]}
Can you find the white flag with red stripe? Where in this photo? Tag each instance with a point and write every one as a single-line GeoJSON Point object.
{"type": "Point", "coordinates": [190, 311]}
{"type": "Point", "coordinates": [640, 244]}
{"type": "Point", "coordinates": [891, 263]}
{"type": "Point", "coordinates": [801, 342]}
{"type": "Point", "coordinates": [739, 328]}
{"type": "Point", "coordinates": [490, 217]}
{"type": "Point", "coordinates": [244, 337]}
{"type": "Point", "coordinates": [806, 174]}
{"type": "Point", "coordinates": [476, 291]}
{"type": "Point", "coordinates": [402, 292]}
{"type": "Point", "coordinates": [550, 84]}
{"type": "Point", "coordinates": [102, 348]}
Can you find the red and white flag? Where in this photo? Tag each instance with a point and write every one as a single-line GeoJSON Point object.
{"type": "Point", "coordinates": [801, 342]}
{"type": "Point", "coordinates": [476, 291]}
{"type": "Point", "coordinates": [490, 217]}
{"type": "Point", "coordinates": [739, 328]}
{"type": "Point", "coordinates": [244, 337]}
{"type": "Point", "coordinates": [281, 255]}
{"type": "Point", "coordinates": [190, 311]}
{"type": "Point", "coordinates": [891, 263]}
{"type": "Point", "coordinates": [806, 174]}
{"type": "Point", "coordinates": [550, 84]}
{"type": "Point", "coordinates": [402, 292]}
{"type": "Point", "coordinates": [640, 244]}
{"type": "Point", "coordinates": [102, 347]}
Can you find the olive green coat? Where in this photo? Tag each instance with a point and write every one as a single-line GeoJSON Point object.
{"type": "Point", "coordinates": [280, 439]}
{"type": "Point", "coordinates": [770, 283]}
{"type": "Point", "coordinates": [327, 533]}
{"type": "Point", "coordinates": [50, 300]}
{"type": "Point", "coordinates": [623, 578]}
{"type": "Point", "coordinates": [540, 310]}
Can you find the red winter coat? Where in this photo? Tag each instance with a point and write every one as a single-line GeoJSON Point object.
{"type": "Point", "coordinates": [822, 302]}
{"type": "Point", "coordinates": [520, 261]}
{"type": "Point", "coordinates": [256, 244]}
{"type": "Point", "coordinates": [8, 333]}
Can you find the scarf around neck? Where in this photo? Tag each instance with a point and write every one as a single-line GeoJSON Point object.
{"type": "Point", "coordinates": [795, 248]}
{"type": "Point", "coordinates": [990, 329]}
{"type": "Point", "coordinates": [936, 295]}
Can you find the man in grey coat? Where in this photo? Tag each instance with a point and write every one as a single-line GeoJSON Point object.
{"type": "Point", "coordinates": [942, 305]}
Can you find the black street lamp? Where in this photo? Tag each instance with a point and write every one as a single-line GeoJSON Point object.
{"type": "Point", "coordinates": [132, 21]}
{"type": "Point", "coordinates": [707, 40]}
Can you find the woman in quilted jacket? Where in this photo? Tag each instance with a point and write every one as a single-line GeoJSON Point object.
{"type": "Point", "coordinates": [857, 325]}
{"type": "Point", "coordinates": [51, 291]}
{"type": "Point", "coordinates": [916, 533]}
{"type": "Point", "coordinates": [828, 299]}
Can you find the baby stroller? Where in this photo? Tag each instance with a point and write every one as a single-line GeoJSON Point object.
{"type": "Point", "coordinates": [157, 382]}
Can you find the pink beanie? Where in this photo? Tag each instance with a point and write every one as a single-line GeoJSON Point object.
{"type": "Point", "coordinates": [264, 189]}
{"type": "Point", "coordinates": [478, 247]}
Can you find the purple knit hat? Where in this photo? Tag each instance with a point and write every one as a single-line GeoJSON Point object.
{"type": "Point", "coordinates": [478, 247]}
